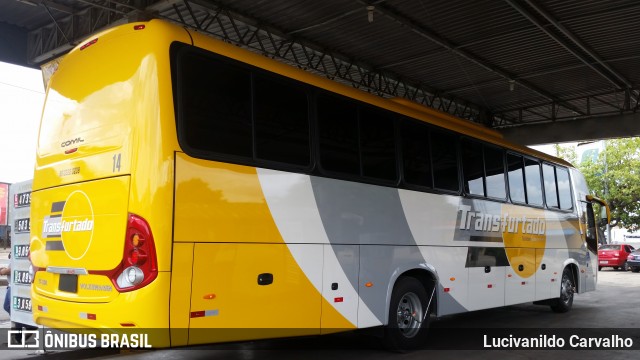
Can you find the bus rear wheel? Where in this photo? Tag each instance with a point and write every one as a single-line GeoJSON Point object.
{"type": "Point", "coordinates": [567, 290]}
{"type": "Point", "coordinates": [408, 315]}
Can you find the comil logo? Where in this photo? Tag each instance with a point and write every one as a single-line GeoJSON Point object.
{"type": "Point", "coordinates": [72, 221]}
{"type": "Point", "coordinates": [71, 142]}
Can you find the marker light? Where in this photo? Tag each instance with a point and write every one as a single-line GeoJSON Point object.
{"type": "Point", "coordinates": [135, 240]}
{"type": "Point", "coordinates": [89, 44]}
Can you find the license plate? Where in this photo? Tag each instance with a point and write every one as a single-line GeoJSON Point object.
{"type": "Point", "coordinates": [68, 283]}
{"type": "Point", "coordinates": [604, 262]}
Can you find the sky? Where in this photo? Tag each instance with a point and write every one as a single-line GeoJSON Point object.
{"type": "Point", "coordinates": [21, 99]}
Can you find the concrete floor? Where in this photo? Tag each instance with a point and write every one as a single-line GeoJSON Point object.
{"type": "Point", "coordinates": [614, 307]}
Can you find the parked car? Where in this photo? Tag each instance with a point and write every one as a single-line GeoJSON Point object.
{"type": "Point", "coordinates": [615, 256]}
{"type": "Point", "coordinates": [633, 261]}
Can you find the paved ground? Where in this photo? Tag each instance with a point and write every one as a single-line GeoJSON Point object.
{"type": "Point", "coordinates": [614, 305]}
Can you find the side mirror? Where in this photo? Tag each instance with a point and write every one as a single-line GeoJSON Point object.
{"type": "Point", "coordinates": [605, 212]}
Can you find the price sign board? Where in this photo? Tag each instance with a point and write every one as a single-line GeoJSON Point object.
{"type": "Point", "coordinates": [19, 219]}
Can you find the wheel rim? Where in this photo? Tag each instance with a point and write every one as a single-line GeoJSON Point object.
{"type": "Point", "coordinates": [566, 293]}
{"type": "Point", "coordinates": [409, 315]}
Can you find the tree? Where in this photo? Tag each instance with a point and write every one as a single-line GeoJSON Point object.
{"type": "Point", "coordinates": [617, 169]}
{"type": "Point", "coordinates": [567, 153]}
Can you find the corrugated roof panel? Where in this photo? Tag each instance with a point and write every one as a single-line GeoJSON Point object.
{"type": "Point", "coordinates": [468, 49]}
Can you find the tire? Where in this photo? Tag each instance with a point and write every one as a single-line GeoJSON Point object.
{"type": "Point", "coordinates": [615, 268]}
{"type": "Point", "coordinates": [635, 269]}
{"type": "Point", "coordinates": [625, 267]}
{"type": "Point", "coordinates": [599, 268]}
{"type": "Point", "coordinates": [406, 328]}
{"type": "Point", "coordinates": [567, 290]}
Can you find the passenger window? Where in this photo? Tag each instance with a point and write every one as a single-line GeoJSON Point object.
{"type": "Point", "coordinates": [215, 99]}
{"type": "Point", "coordinates": [444, 151]}
{"type": "Point", "coordinates": [534, 184]}
{"type": "Point", "coordinates": [377, 145]}
{"type": "Point", "coordinates": [564, 188]}
{"type": "Point", "coordinates": [281, 122]}
{"type": "Point", "coordinates": [550, 193]}
{"type": "Point", "coordinates": [338, 135]}
{"type": "Point", "coordinates": [516, 178]}
{"type": "Point", "coordinates": [416, 159]}
{"type": "Point", "coordinates": [472, 167]}
{"type": "Point", "coordinates": [494, 169]}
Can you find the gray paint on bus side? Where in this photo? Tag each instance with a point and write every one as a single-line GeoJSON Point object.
{"type": "Point", "coordinates": [361, 214]}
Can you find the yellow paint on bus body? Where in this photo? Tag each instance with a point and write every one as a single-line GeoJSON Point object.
{"type": "Point", "coordinates": [220, 202]}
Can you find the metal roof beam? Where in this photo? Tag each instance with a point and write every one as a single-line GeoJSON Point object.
{"type": "Point", "coordinates": [63, 33]}
{"type": "Point", "coordinates": [593, 105]}
{"type": "Point", "coordinates": [533, 74]}
{"type": "Point", "coordinates": [603, 127]}
{"type": "Point", "coordinates": [431, 35]}
{"type": "Point", "coordinates": [579, 43]}
{"type": "Point", "coordinates": [233, 26]}
{"type": "Point", "coordinates": [563, 43]}
{"type": "Point", "coordinates": [55, 6]}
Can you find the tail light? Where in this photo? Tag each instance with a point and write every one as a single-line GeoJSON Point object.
{"type": "Point", "coordinates": [630, 257]}
{"type": "Point", "coordinates": [139, 265]}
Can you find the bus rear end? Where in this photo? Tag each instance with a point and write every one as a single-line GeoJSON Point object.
{"type": "Point", "coordinates": [101, 206]}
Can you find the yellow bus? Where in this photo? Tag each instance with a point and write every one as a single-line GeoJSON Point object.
{"type": "Point", "coordinates": [185, 185]}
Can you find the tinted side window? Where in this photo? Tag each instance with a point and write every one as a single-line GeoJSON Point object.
{"type": "Point", "coordinates": [416, 158]}
{"type": "Point", "coordinates": [338, 135]}
{"type": "Point", "coordinates": [472, 167]}
{"type": "Point", "coordinates": [215, 100]}
{"type": "Point", "coordinates": [378, 147]}
{"type": "Point", "coordinates": [564, 188]}
{"type": "Point", "coordinates": [281, 122]}
{"type": "Point", "coordinates": [550, 193]}
{"type": "Point", "coordinates": [534, 184]}
{"type": "Point", "coordinates": [516, 178]}
{"type": "Point", "coordinates": [444, 151]}
{"type": "Point", "coordinates": [494, 169]}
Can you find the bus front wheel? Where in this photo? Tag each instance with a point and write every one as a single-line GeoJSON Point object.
{"type": "Point", "coordinates": [567, 290]}
{"type": "Point", "coordinates": [408, 315]}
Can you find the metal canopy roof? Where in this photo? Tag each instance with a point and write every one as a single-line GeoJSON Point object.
{"type": "Point", "coordinates": [501, 63]}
